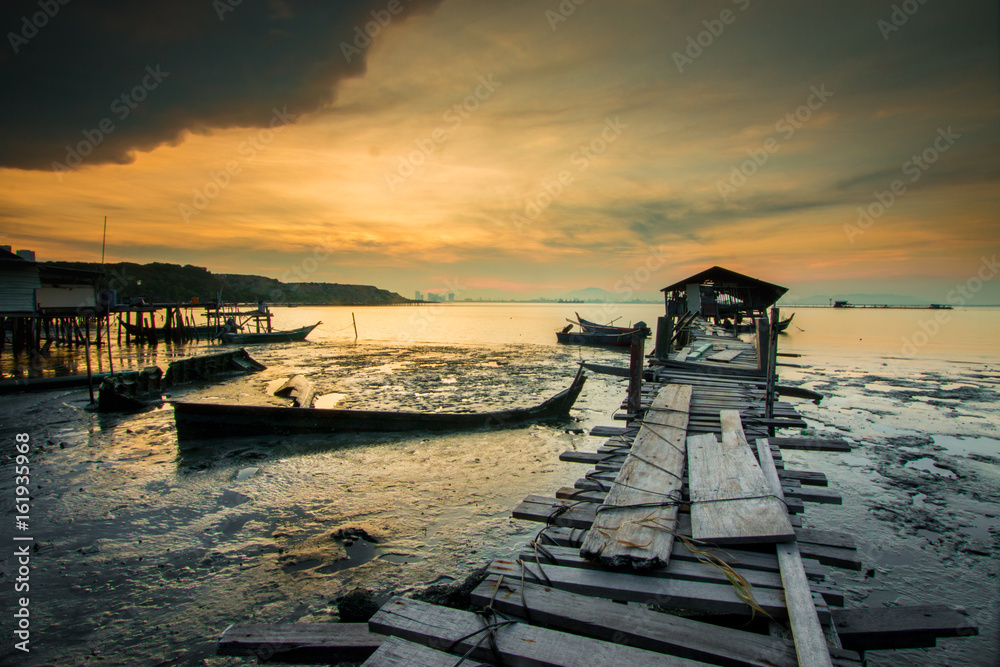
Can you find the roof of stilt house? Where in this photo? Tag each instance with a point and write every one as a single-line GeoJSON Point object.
{"type": "Point", "coordinates": [733, 284]}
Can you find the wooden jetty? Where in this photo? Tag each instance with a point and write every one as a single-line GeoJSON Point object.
{"type": "Point", "coordinates": [625, 568]}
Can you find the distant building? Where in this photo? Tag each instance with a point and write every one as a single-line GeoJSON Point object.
{"type": "Point", "coordinates": [451, 296]}
{"type": "Point", "coordinates": [28, 289]}
{"type": "Point", "coordinates": [26, 254]}
{"type": "Point", "coordinates": [418, 296]}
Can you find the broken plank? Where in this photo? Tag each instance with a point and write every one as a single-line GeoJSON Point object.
{"type": "Point", "coordinates": [634, 524]}
{"type": "Point", "coordinates": [637, 626]}
{"type": "Point", "coordinates": [396, 652]}
{"type": "Point", "coordinates": [320, 643]}
{"type": "Point", "coordinates": [917, 626]}
{"type": "Point", "coordinates": [630, 587]}
{"type": "Point", "coordinates": [569, 555]}
{"type": "Point", "coordinates": [725, 355]}
{"type": "Point", "coordinates": [813, 444]}
{"type": "Point", "coordinates": [517, 643]}
{"type": "Point", "coordinates": [731, 502]}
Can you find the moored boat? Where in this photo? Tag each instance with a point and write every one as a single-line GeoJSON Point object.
{"type": "Point", "coordinates": [268, 336]}
{"type": "Point", "coordinates": [215, 420]}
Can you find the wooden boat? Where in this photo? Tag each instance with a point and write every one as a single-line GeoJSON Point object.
{"type": "Point", "coordinates": [131, 391]}
{"type": "Point", "coordinates": [268, 336]}
{"type": "Point", "coordinates": [213, 420]}
{"type": "Point", "coordinates": [136, 390]}
{"type": "Point", "coordinates": [783, 324]}
{"type": "Point", "coordinates": [586, 326]}
{"type": "Point", "coordinates": [200, 331]}
{"type": "Point", "coordinates": [618, 337]}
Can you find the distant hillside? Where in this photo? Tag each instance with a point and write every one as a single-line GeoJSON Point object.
{"type": "Point", "coordinates": [173, 282]}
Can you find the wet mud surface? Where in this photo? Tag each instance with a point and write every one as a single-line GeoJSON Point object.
{"type": "Point", "coordinates": [921, 490]}
{"type": "Point", "coordinates": [143, 555]}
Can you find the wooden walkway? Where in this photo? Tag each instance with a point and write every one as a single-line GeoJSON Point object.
{"type": "Point", "coordinates": [617, 575]}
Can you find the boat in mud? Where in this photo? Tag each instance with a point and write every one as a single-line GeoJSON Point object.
{"type": "Point", "coordinates": [133, 391]}
{"type": "Point", "coordinates": [268, 336]}
{"type": "Point", "coordinates": [215, 420]}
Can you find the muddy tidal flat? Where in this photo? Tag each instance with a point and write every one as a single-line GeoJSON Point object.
{"type": "Point", "coordinates": [142, 555]}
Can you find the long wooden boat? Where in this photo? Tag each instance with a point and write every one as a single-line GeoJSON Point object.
{"type": "Point", "coordinates": [268, 336]}
{"type": "Point", "coordinates": [214, 420]}
{"type": "Point", "coordinates": [586, 326]}
{"type": "Point", "coordinates": [200, 331]}
{"type": "Point", "coordinates": [581, 338]}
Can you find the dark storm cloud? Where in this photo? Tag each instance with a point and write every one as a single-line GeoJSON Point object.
{"type": "Point", "coordinates": [196, 65]}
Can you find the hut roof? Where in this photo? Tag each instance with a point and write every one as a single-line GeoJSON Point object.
{"type": "Point", "coordinates": [733, 283]}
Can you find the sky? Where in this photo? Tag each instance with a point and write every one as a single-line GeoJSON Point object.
{"type": "Point", "coordinates": [512, 148]}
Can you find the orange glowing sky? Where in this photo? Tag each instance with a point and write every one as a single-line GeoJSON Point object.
{"type": "Point", "coordinates": [385, 182]}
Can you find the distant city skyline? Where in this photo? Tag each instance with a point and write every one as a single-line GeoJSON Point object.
{"type": "Point", "coordinates": [523, 149]}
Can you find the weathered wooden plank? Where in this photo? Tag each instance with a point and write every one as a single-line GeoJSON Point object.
{"type": "Point", "coordinates": [725, 355]}
{"type": "Point", "coordinates": [813, 444]}
{"type": "Point", "coordinates": [731, 502]}
{"type": "Point", "coordinates": [917, 626]}
{"type": "Point", "coordinates": [686, 567]}
{"type": "Point", "coordinates": [396, 652]}
{"type": "Point", "coordinates": [517, 643]}
{"type": "Point", "coordinates": [580, 514]}
{"type": "Point", "coordinates": [810, 642]}
{"type": "Point", "coordinates": [611, 431]}
{"type": "Point", "coordinates": [634, 524]}
{"type": "Point", "coordinates": [321, 643]}
{"type": "Point", "coordinates": [638, 626]}
{"type": "Point", "coordinates": [707, 597]}
{"type": "Point", "coordinates": [563, 545]}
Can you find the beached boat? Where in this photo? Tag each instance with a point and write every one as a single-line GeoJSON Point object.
{"type": "Point", "coordinates": [611, 336]}
{"type": "Point", "coordinates": [586, 326]}
{"type": "Point", "coordinates": [214, 420]}
{"type": "Point", "coordinates": [132, 391]}
{"type": "Point", "coordinates": [268, 336]}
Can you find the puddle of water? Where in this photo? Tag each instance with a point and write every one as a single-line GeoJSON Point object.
{"type": "Point", "coordinates": [401, 558]}
{"type": "Point", "coordinates": [359, 553]}
{"type": "Point", "coordinates": [927, 465]}
{"type": "Point", "coordinates": [328, 400]}
{"type": "Point", "coordinates": [918, 499]}
{"type": "Point", "coordinates": [853, 460]}
{"type": "Point", "coordinates": [980, 528]}
{"type": "Point", "coordinates": [961, 446]}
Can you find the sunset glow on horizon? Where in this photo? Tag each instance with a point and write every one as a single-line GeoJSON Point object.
{"type": "Point", "coordinates": [520, 149]}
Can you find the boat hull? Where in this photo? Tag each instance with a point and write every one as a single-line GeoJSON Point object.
{"type": "Point", "coordinates": [210, 420]}
{"type": "Point", "coordinates": [578, 338]}
{"type": "Point", "coordinates": [268, 337]}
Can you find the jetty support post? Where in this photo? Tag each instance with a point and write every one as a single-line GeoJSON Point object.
{"type": "Point", "coordinates": [635, 373]}
{"type": "Point", "coordinates": [664, 336]}
{"type": "Point", "coordinates": [763, 330]}
{"type": "Point", "coordinates": [772, 357]}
